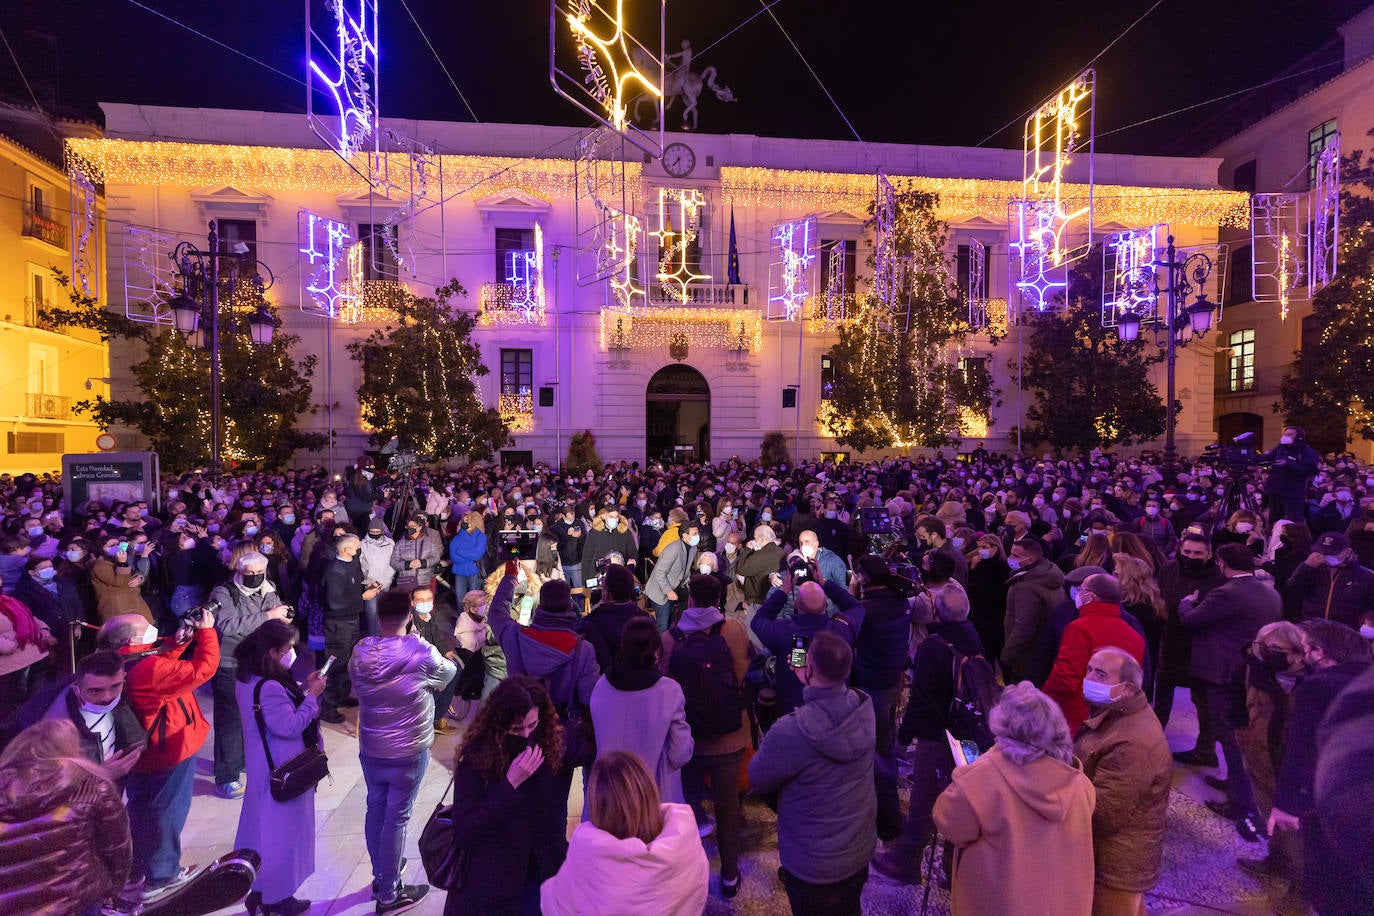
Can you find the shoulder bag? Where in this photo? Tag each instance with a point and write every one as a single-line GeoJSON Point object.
{"type": "Point", "coordinates": [445, 865]}
{"type": "Point", "coordinates": [302, 772]}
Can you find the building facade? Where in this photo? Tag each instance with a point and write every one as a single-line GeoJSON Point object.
{"type": "Point", "coordinates": [1275, 154]}
{"type": "Point", "coordinates": [44, 371]}
{"type": "Point", "coordinates": [694, 363]}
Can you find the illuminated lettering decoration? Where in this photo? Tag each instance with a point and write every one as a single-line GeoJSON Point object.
{"type": "Point", "coordinates": [330, 277]}
{"type": "Point", "coordinates": [1128, 274]}
{"type": "Point", "coordinates": [1040, 284]}
{"type": "Point", "coordinates": [794, 248]}
{"type": "Point", "coordinates": [1326, 208]}
{"type": "Point", "coordinates": [84, 233]}
{"type": "Point", "coordinates": [1278, 248]}
{"type": "Point", "coordinates": [977, 291]}
{"type": "Point", "coordinates": [598, 65]}
{"type": "Point", "coordinates": [1053, 135]}
{"type": "Point", "coordinates": [341, 73]}
{"type": "Point", "coordinates": [150, 276]}
{"type": "Point", "coordinates": [679, 255]}
{"type": "Point", "coordinates": [832, 306]}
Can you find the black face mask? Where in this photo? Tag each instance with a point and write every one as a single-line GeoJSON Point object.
{"type": "Point", "coordinates": [375, 535]}
{"type": "Point", "coordinates": [515, 745]}
{"type": "Point", "coordinates": [253, 580]}
{"type": "Point", "coordinates": [1193, 564]}
{"type": "Point", "coordinates": [1274, 659]}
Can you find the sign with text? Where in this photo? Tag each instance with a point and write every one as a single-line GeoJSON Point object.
{"type": "Point", "coordinates": [109, 477]}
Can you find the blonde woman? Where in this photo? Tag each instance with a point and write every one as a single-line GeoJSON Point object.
{"type": "Point", "coordinates": [527, 585]}
{"type": "Point", "coordinates": [466, 550]}
{"type": "Point", "coordinates": [1243, 527]}
{"type": "Point", "coordinates": [1141, 596]}
{"type": "Point", "coordinates": [64, 833]}
{"type": "Point", "coordinates": [1097, 551]}
{"type": "Point", "coordinates": [649, 852]}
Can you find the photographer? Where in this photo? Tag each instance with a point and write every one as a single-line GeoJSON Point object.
{"type": "Point", "coordinates": [604, 625]}
{"type": "Point", "coordinates": [780, 637]}
{"type": "Point", "coordinates": [160, 686]}
{"type": "Point", "coordinates": [244, 603]}
{"type": "Point", "coordinates": [1292, 465]}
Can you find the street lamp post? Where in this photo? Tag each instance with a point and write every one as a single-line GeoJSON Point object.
{"type": "Point", "coordinates": [200, 274]}
{"type": "Point", "coordinates": [1196, 319]}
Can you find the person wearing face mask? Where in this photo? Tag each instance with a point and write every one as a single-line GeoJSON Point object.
{"type": "Point", "coordinates": [115, 581]}
{"type": "Point", "coordinates": [606, 622]}
{"type": "Point", "coordinates": [571, 535]}
{"type": "Point", "coordinates": [375, 557]}
{"type": "Point", "coordinates": [1223, 624]}
{"type": "Point", "coordinates": [160, 686]}
{"type": "Point", "coordinates": [1335, 512]}
{"type": "Point", "coordinates": [479, 653]}
{"type": "Point", "coordinates": [56, 603]}
{"type": "Point", "coordinates": [987, 592]}
{"type": "Point", "coordinates": [1032, 593]}
{"type": "Point", "coordinates": [932, 533]}
{"type": "Point", "coordinates": [1099, 623]}
{"type": "Point", "coordinates": [360, 495]}
{"type": "Point", "coordinates": [1292, 465]}
{"type": "Point", "coordinates": [667, 584]}
{"type": "Point", "coordinates": [396, 676]}
{"type": "Point", "coordinates": [93, 700]}
{"type": "Point", "coordinates": [1191, 571]}
{"type": "Point", "coordinates": [1331, 584]}
{"type": "Point", "coordinates": [417, 554]}
{"type": "Point", "coordinates": [246, 601]}
{"type": "Point", "coordinates": [1124, 753]}
{"type": "Point", "coordinates": [610, 533]}
{"type": "Point", "coordinates": [283, 717]}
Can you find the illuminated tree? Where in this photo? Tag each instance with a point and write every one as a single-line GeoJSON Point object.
{"type": "Point", "coordinates": [899, 385]}
{"type": "Point", "coordinates": [1090, 388]}
{"type": "Point", "coordinates": [420, 381]}
{"type": "Point", "coordinates": [264, 391]}
{"type": "Point", "coordinates": [1329, 388]}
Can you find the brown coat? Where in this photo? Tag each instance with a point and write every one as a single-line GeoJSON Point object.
{"type": "Point", "coordinates": [1124, 753]}
{"type": "Point", "coordinates": [64, 839]}
{"type": "Point", "coordinates": [1023, 836]}
{"type": "Point", "coordinates": [113, 593]}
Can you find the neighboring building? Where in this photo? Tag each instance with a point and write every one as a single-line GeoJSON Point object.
{"type": "Point", "coordinates": [706, 378]}
{"type": "Point", "coordinates": [44, 372]}
{"type": "Point", "coordinates": [1256, 345]}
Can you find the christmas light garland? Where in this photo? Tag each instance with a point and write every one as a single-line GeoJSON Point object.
{"type": "Point", "coordinates": [720, 329]}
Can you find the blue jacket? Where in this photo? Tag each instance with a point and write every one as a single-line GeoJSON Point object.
{"type": "Point", "coordinates": [776, 635]}
{"type": "Point", "coordinates": [466, 549]}
{"type": "Point", "coordinates": [880, 648]}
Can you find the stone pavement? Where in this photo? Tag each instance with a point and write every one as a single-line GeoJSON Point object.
{"type": "Point", "coordinates": [1200, 876]}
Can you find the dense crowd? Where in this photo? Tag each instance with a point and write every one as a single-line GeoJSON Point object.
{"type": "Point", "coordinates": [1005, 635]}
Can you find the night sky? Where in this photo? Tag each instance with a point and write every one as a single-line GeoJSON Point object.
{"type": "Point", "coordinates": [908, 71]}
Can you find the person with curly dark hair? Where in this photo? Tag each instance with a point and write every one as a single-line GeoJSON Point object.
{"type": "Point", "coordinates": [509, 807]}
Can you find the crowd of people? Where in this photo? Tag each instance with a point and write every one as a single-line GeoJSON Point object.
{"type": "Point", "coordinates": [1003, 634]}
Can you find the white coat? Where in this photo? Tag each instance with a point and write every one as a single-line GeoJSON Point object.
{"type": "Point", "coordinates": [609, 877]}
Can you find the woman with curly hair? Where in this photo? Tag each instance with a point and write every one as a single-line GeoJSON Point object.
{"type": "Point", "coordinates": [509, 807]}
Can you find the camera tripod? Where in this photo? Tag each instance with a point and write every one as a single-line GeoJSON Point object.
{"type": "Point", "coordinates": [1235, 495]}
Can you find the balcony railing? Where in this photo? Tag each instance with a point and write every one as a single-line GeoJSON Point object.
{"type": "Point", "coordinates": [716, 295]}
{"type": "Point", "coordinates": [511, 303]}
{"type": "Point", "coordinates": [32, 317]}
{"type": "Point", "coordinates": [39, 225]}
{"type": "Point", "coordinates": [47, 406]}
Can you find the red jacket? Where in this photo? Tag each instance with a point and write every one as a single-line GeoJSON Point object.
{"type": "Point", "coordinates": [1099, 624]}
{"type": "Point", "coordinates": [161, 689]}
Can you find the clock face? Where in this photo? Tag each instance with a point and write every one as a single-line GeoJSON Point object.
{"type": "Point", "coordinates": [679, 160]}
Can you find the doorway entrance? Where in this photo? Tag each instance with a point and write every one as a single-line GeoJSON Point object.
{"type": "Point", "coordinates": [677, 413]}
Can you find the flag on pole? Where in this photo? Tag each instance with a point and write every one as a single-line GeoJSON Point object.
{"type": "Point", "coordinates": [732, 267]}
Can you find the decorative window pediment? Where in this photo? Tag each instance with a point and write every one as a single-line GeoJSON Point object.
{"type": "Point", "coordinates": [513, 208]}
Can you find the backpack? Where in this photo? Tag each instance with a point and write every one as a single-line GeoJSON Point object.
{"type": "Point", "coordinates": [976, 691]}
{"type": "Point", "coordinates": [702, 664]}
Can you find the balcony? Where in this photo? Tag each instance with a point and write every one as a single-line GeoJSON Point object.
{"type": "Point", "coordinates": [47, 406]}
{"type": "Point", "coordinates": [511, 304]}
{"type": "Point", "coordinates": [32, 317]}
{"type": "Point", "coordinates": [715, 295]}
{"type": "Point", "coordinates": [38, 224]}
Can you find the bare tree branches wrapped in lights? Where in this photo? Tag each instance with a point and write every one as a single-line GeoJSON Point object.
{"type": "Point", "coordinates": [903, 387]}
{"type": "Point", "coordinates": [420, 381]}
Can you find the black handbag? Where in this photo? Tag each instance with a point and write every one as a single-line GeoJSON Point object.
{"type": "Point", "coordinates": [302, 772]}
{"type": "Point", "coordinates": [445, 865]}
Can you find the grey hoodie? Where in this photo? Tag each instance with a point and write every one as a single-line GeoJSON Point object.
{"type": "Point", "coordinates": [819, 759]}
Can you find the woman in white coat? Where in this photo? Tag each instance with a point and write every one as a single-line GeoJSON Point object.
{"type": "Point", "coordinates": [283, 833]}
{"type": "Point", "coordinates": [635, 856]}
{"type": "Point", "coordinates": [635, 708]}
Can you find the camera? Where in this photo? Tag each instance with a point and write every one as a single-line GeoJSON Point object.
{"type": "Point", "coordinates": [801, 569]}
{"type": "Point", "coordinates": [195, 615]}
{"type": "Point", "coordinates": [1239, 455]}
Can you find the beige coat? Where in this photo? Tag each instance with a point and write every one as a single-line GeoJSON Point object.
{"type": "Point", "coordinates": [1023, 837]}
{"type": "Point", "coordinates": [1124, 753]}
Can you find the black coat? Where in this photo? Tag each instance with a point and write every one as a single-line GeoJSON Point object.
{"type": "Point", "coordinates": [1342, 594]}
{"type": "Point", "coordinates": [1224, 623]}
{"type": "Point", "coordinates": [1311, 699]}
{"type": "Point", "coordinates": [604, 626]}
{"type": "Point", "coordinates": [1293, 466]}
{"type": "Point", "coordinates": [777, 634]}
{"type": "Point", "coordinates": [987, 598]}
{"type": "Point", "coordinates": [880, 647]}
{"type": "Point", "coordinates": [1176, 583]}
{"type": "Point", "coordinates": [932, 680]}
{"type": "Point", "coordinates": [514, 837]}
{"type": "Point", "coordinates": [1338, 843]}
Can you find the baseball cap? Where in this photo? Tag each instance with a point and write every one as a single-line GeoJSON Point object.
{"type": "Point", "coordinates": [1331, 543]}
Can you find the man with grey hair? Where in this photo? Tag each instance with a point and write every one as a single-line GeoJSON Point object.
{"type": "Point", "coordinates": [246, 601]}
{"type": "Point", "coordinates": [1099, 624]}
{"type": "Point", "coordinates": [950, 636]}
{"type": "Point", "coordinates": [1124, 753]}
{"type": "Point", "coordinates": [756, 561]}
{"type": "Point", "coordinates": [342, 595]}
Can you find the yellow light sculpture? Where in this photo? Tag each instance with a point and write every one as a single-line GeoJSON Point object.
{"type": "Point", "coordinates": [599, 55]}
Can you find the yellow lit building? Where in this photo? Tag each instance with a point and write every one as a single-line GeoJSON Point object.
{"type": "Point", "coordinates": [44, 373]}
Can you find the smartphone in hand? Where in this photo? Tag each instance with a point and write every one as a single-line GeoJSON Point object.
{"type": "Point", "coordinates": [797, 657]}
{"type": "Point", "coordinates": [324, 672]}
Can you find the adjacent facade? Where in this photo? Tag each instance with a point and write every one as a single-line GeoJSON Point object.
{"type": "Point", "coordinates": [695, 366]}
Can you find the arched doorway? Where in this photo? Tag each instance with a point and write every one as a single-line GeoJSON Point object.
{"type": "Point", "coordinates": [1233, 424]}
{"type": "Point", "coordinates": [677, 416]}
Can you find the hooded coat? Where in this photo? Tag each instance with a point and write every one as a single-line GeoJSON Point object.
{"type": "Point", "coordinates": [644, 712]}
{"type": "Point", "coordinates": [819, 759]}
{"type": "Point", "coordinates": [666, 877]}
{"type": "Point", "coordinates": [1023, 836]}
{"type": "Point", "coordinates": [64, 839]}
{"type": "Point", "coordinates": [549, 648]}
{"type": "Point", "coordinates": [395, 678]}
{"type": "Point", "coordinates": [1032, 594]}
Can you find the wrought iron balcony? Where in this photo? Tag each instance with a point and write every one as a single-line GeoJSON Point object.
{"type": "Point", "coordinates": [47, 406]}
{"type": "Point", "coordinates": [40, 225]}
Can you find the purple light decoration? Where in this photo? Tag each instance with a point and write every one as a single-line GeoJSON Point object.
{"type": "Point", "coordinates": [1128, 274]}
{"type": "Point", "coordinates": [795, 247]}
{"type": "Point", "coordinates": [1326, 200]}
{"type": "Point", "coordinates": [1032, 235]}
{"type": "Point", "coordinates": [977, 285]}
{"type": "Point", "coordinates": [324, 248]}
{"type": "Point", "coordinates": [341, 65]}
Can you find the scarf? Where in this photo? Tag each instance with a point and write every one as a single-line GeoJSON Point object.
{"type": "Point", "coordinates": [26, 629]}
{"type": "Point", "coordinates": [630, 679]}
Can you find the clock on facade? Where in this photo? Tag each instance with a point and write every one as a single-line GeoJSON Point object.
{"type": "Point", "coordinates": [679, 160]}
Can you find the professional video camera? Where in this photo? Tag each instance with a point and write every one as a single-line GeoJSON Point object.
{"type": "Point", "coordinates": [1240, 455]}
{"type": "Point", "coordinates": [879, 530]}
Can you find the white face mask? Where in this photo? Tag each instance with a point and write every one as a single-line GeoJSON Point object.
{"type": "Point", "coordinates": [96, 709]}
{"type": "Point", "coordinates": [808, 550]}
{"type": "Point", "coordinates": [1367, 631]}
{"type": "Point", "coordinates": [1014, 563]}
{"type": "Point", "coordinates": [288, 661]}
{"type": "Point", "coordinates": [1244, 527]}
{"type": "Point", "coordinates": [1097, 692]}
{"type": "Point", "coordinates": [149, 635]}
{"type": "Point", "coordinates": [704, 569]}
{"type": "Point", "coordinates": [1285, 440]}
{"type": "Point", "coordinates": [985, 553]}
